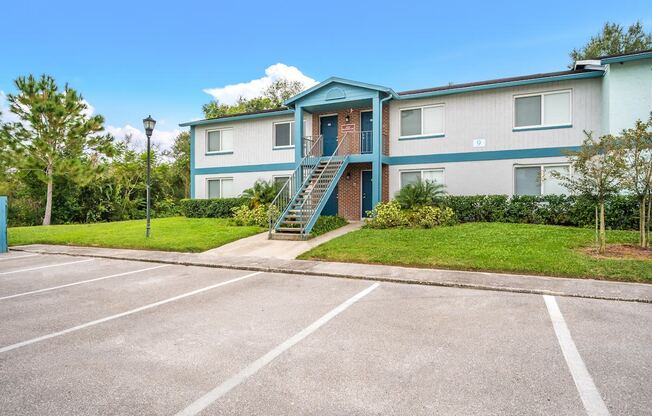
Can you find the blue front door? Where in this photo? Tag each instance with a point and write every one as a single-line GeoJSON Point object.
{"type": "Point", "coordinates": [328, 128]}
{"type": "Point", "coordinates": [366, 135]}
{"type": "Point", "coordinates": [366, 192]}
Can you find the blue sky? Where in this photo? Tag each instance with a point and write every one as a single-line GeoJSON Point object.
{"type": "Point", "coordinates": [130, 59]}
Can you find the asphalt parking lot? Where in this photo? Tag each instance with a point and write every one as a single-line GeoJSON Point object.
{"type": "Point", "coordinates": [96, 336]}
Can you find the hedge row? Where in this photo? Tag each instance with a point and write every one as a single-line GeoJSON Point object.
{"type": "Point", "coordinates": [210, 208]}
{"type": "Point", "coordinates": [621, 212]}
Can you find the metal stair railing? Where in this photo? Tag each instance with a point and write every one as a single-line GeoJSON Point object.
{"type": "Point", "coordinates": [311, 156]}
{"type": "Point", "coordinates": [318, 187]}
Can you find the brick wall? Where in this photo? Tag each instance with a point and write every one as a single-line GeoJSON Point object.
{"type": "Point", "coordinates": [348, 191]}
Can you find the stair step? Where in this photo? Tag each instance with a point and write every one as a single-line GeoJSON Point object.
{"type": "Point", "coordinates": [288, 230]}
{"type": "Point", "coordinates": [282, 236]}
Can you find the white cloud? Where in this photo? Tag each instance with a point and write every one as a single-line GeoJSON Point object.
{"type": "Point", "coordinates": [230, 93]}
{"type": "Point", "coordinates": [89, 109]}
{"type": "Point", "coordinates": [6, 116]}
{"type": "Point", "coordinates": [161, 138]}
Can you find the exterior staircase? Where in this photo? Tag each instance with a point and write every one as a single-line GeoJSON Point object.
{"type": "Point", "coordinates": [314, 179]}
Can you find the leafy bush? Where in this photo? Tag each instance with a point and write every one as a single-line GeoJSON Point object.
{"type": "Point", "coordinates": [419, 194]}
{"type": "Point", "coordinates": [210, 208]}
{"type": "Point", "coordinates": [261, 193]}
{"type": "Point", "coordinates": [621, 211]}
{"type": "Point", "coordinates": [387, 215]}
{"type": "Point", "coordinates": [243, 215]}
{"type": "Point", "coordinates": [429, 216]}
{"type": "Point", "coordinates": [327, 223]}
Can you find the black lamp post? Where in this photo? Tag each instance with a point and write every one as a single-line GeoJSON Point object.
{"type": "Point", "coordinates": [149, 124]}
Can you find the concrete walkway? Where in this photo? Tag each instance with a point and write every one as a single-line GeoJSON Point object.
{"type": "Point", "coordinates": [557, 286]}
{"type": "Point", "coordinates": [259, 246]}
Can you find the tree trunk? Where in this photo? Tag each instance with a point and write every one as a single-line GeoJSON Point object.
{"type": "Point", "coordinates": [642, 221]}
{"type": "Point", "coordinates": [647, 221]}
{"type": "Point", "coordinates": [603, 233]}
{"type": "Point", "coordinates": [48, 199]}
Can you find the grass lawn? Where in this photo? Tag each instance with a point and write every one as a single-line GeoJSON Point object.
{"type": "Point", "coordinates": [169, 234]}
{"type": "Point", "coordinates": [516, 248]}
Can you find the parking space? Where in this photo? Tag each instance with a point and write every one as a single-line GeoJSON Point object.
{"type": "Point", "coordinates": [125, 337]}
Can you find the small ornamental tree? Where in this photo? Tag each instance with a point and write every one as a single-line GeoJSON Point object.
{"type": "Point", "coordinates": [54, 136]}
{"type": "Point", "coordinates": [597, 167]}
{"type": "Point", "coordinates": [637, 173]}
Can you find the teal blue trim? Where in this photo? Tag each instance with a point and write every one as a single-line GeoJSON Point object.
{"type": "Point", "coordinates": [384, 160]}
{"type": "Point", "coordinates": [361, 158]}
{"type": "Point", "coordinates": [332, 80]}
{"type": "Point", "coordinates": [244, 168]}
{"type": "Point", "coordinates": [229, 119]}
{"type": "Point", "coordinates": [565, 126]}
{"type": "Point", "coordinates": [432, 136]}
{"type": "Point", "coordinates": [4, 244]}
{"type": "Point", "coordinates": [582, 75]}
{"type": "Point", "coordinates": [481, 155]}
{"type": "Point", "coordinates": [627, 58]}
{"type": "Point", "coordinates": [228, 152]}
{"type": "Point", "coordinates": [283, 148]}
{"type": "Point", "coordinates": [326, 196]}
{"type": "Point", "coordinates": [377, 151]}
{"type": "Point", "coordinates": [192, 161]}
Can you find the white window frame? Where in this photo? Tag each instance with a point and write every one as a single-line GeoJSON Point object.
{"type": "Point", "coordinates": [543, 109]}
{"type": "Point", "coordinates": [422, 135]}
{"type": "Point", "coordinates": [218, 152]}
{"type": "Point", "coordinates": [217, 178]}
{"type": "Point", "coordinates": [291, 123]}
{"type": "Point", "coordinates": [541, 167]}
{"type": "Point", "coordinates": [400, 174]}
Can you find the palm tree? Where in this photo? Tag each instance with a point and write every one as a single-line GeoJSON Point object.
{"type": "Point", "coordinates": [419, 194]}
{"type": "Point", "coordinates": [261, 193]}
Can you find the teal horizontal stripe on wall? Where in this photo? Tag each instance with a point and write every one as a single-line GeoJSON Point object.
{"type": "Point", "coordinates": [480, 155]}
{"type": "Point", "coordinates": [243, 168]}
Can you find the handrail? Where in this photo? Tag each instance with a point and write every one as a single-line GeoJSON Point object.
{"type": "Point", "coordinates": [316, 185]}
{"type": "Point", "coordinates": [285, 195]}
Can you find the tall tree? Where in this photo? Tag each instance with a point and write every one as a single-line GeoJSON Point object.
{"type": "Point", "coordinates": [637, 173]}
{"type": "Point", "coordinates": [54, 133]}
{"type": "Point", "coordinates": [180, 154]}
{"type": "Point", "coordinates": [597, 168]}
{"type": "Point", "coordinates": [271, 98]}
{"type": "Point", "coordinates": [613, 40]}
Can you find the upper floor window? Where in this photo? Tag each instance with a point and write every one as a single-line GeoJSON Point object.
{"type": "Point", "coordinates": [549, 109]}
{"type": "Point", "coordinates": [413, 176]}
{"type": "Point", "coordinates": [219, 141]}
{"type": "Point", "coordinates": [540, 180]}
{"type": "Point", "coordinates": [220, 188]}
{"type": "Point", "coordinates": [284, 134]}
{"type": "Point", "coordinates": [422, 121]}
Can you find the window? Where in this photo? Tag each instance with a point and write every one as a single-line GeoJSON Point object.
{"type": "Point", "coordinates": [540, 180]}
{"type": "Point", "coordinates": [284, 134]}
{"type": "Point", "coordinates": [414, 176]}
{"type": "Point", "coordinates": [542, 110]}
{"type": "Point", "coordinates": [279, 181]}
{"type": "Point", "coordinates": [423, 121]}
{"type": "Point", "coordinates": [219, 141]}
{"type": "Point", "coordinates": [220, 188]}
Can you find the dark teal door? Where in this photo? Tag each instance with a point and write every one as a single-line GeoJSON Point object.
{"type": "Point", "coordinates": [328, 128]}
{"type": "Point", "coordinates": [331, 204]}
{"type": "Point", "coordinates": [366, 192]}
{"type": "Point", "coordinates": [366, 127]}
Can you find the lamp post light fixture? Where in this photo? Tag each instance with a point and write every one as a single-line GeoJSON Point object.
{"type": "Point", "coordinates": [149, 124]}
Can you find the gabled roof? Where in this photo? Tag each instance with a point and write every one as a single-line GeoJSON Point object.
{"type": "Point", "coordinates": [333, 80]}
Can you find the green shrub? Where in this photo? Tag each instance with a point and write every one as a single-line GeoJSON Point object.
{"type": "Point", "coordinates": [430, 216]}
{"type": "Point", "coordinates": [259, 216]}
{"type": "Point", "coordinates": [419, 194]}
{"type": "Point", "coordinates": [327, 223]}
{"type": "Point", "coordinates": [387, 215]}
{"type": "Point", "coordinates": [261, 193]}
{"type": "Point", "coordinates": [210, 208]}
{"type": "Point", "coordinates": [621, 211]}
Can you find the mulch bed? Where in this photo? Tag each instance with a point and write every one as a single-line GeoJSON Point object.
{"type": "Point", "coordinates": [622, 251]}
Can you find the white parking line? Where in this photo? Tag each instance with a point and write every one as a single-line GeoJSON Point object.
{"type": "Point", "coordinates": [80, 283]}
{"type": "Point", "coordinates": [45, 267]}
{"type": "Point", "coordinates": [122, 314]}
{"type": "Point", "coordinates": [18, 257]}
{"type": "Point", "coordinates": [219, 391]}
{"type": "Point", "coordinates": [593, 403]}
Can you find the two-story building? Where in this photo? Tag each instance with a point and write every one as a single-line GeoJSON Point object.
{"type": "Point", "coordinates": [342, 146]}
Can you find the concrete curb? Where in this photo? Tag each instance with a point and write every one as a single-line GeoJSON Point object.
{"type": "Point", "coordinates": [579, 288]}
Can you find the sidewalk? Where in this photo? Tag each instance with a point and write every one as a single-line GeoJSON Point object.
{"type": "Point", "coordinates": [585, 288]}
